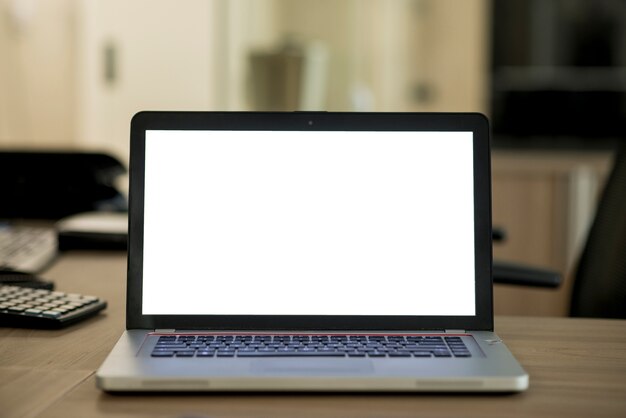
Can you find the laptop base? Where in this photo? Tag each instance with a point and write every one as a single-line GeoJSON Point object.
{"type": "Point", "coordinates": [492, 368]}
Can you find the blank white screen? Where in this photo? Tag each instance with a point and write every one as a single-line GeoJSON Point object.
{"type": "Point", "coordinates": [308, 223]}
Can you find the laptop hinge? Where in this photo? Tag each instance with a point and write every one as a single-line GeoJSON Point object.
{"type": "Point", "coordinates": [455, 331]}
{"type": "Point", "coordinates": [165, 331]}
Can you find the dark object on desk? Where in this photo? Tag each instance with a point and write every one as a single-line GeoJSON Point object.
{"type": "Point", "coordinates": [93, 231]}
{"type": "Point", "coordinates": [600, 279]}
{"type": "Point", "coordinates": [38, 308]}
{"type": "Point", "coordinates": [92, 241]}
{"type": "Point", "coordinates": [15, 278]}
{"type": "Point", "coordinates": [52, 185]}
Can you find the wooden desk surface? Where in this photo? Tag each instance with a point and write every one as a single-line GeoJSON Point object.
{"type": "Point", "coordinates": [577, 367]}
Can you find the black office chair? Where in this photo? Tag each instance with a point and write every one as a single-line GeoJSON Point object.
{"type": "Point", "coordinates": [600, 280]}
{"type": "Point", "coordinates": [55, 184]}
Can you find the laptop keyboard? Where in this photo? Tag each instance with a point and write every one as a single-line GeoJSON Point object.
{"type": "Point", "coordinates": [309, 346]}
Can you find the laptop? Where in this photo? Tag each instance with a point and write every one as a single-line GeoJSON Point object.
{"type": "Point", "coordinates": [309, 251]}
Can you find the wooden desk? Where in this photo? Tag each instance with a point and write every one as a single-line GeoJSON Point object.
{"type": "Point", "coordinates": [577, 367]}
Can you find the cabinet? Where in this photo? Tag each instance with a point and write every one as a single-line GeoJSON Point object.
{"type": "Point", "coordinates": [545, 201]}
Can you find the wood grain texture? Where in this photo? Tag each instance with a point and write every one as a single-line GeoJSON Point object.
{"type": "Point", "coordinates": [26, 392]}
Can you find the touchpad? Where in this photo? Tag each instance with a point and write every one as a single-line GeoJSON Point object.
{"type": "Point", "coordinates": [312, 366]}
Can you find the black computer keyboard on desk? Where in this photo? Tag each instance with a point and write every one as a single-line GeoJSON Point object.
{"type": "Point", "coordinates": [310, 346]}
{"type": "Point", "coordinates": [40, 308]}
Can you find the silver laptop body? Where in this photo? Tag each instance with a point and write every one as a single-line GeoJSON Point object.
{"type": "Point", "coordinates": [309, 252]}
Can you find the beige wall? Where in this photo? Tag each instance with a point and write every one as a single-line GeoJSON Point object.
{"type": "Point", "coordinates": [451, 55]}
{"type": "Point", "coordinates": [330, 22]}
{"type": "Point", "coordinates": [187, 55]}
{"type": "Point", "coordinates": [162, 61]}
{"type": "Point", "coordinates": [193, 55]}
{"type": "Point", "coordinates": [390, 49]}
{"type": "Point", "coordinates": [368, 44]}
{"type": "Point", "coordinates": [37, 72]}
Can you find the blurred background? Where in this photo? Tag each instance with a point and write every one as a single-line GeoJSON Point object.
{"type": "Point", "coordinates": [550, 74]}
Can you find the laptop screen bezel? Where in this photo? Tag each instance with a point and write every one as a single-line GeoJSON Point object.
{"type": "Point", "coordinates": [312, 121]}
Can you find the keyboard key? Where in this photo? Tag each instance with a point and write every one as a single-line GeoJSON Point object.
{"type": "Point", "coordinates": [167, 337]}
{"type": "Point", "coordinates": [162, 353]}
{"type": "Point", "coordinates": [184, 353]}
{"type": "Point", "coordinates": [291, 354]}
{"type": "Point", "coordinates": [33, 311]}
{"type": "Point", "coordinates": [399, 354]}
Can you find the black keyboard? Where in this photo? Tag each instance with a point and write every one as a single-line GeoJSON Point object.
{"type": "Point", "coordinates": [39, 308]}
{"type": "Point", "coordinates": [309, 346]}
